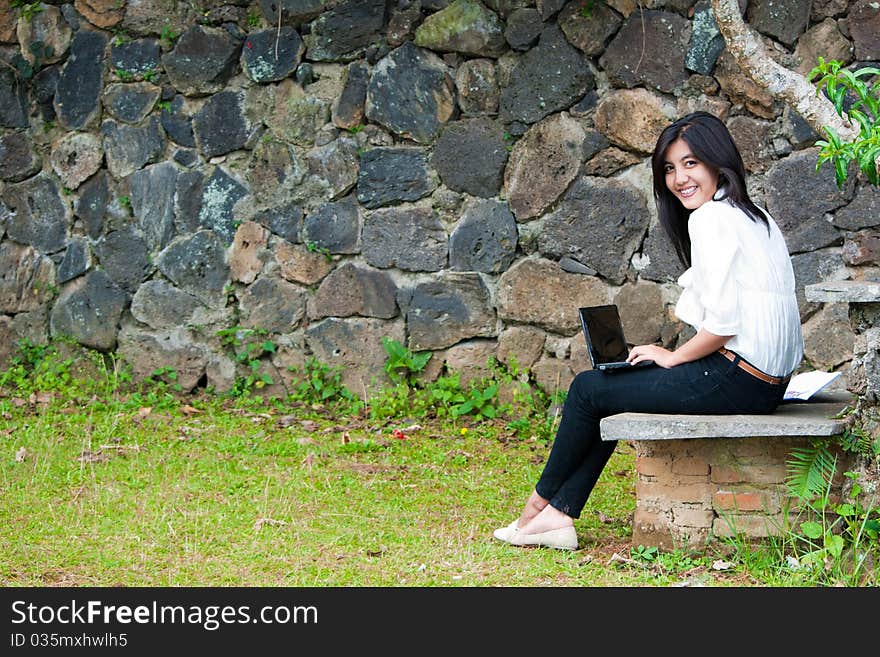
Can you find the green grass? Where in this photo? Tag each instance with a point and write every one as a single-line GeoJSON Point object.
{"type": "Point", "coordinates": [100, 487]}
{"type": "Point", "coordinates": [108, 495]}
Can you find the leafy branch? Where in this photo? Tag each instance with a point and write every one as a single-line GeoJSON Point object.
{"type": "Point", "coordinates": [856, 98]}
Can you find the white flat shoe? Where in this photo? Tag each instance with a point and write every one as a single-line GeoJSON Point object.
{"type": "Point", "coordinates": [506, 533]}
{"type": "Point", "coordinates": [564, 538]}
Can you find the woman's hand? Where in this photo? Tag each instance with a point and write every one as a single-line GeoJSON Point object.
{"type": "Point", "coordinates": [662, 357]}
{"type": "Point", "coordinates": [702, 344]}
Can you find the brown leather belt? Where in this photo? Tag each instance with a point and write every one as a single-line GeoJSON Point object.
{"type": "Point", "coordinates": [751, 369]}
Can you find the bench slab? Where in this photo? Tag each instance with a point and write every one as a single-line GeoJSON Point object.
{"type": "Point", "coordinates": [813, 418]}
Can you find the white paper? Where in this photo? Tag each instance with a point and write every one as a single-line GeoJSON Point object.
{"type": "Point", "coordinates": [806, 384]}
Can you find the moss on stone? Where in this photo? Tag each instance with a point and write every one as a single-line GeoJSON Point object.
{"type": "Point", "coordinates": [458, 17]}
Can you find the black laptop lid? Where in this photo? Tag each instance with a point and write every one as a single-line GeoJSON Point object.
{"type": "Point", "coordinates": [604, 334]}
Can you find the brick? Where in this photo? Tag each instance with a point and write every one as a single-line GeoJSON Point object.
{"type": "Point", "coordinates": [690, 465]}
{"type": "Point", "coordinates": [745, 448]}
{"type": "Point", "coordinates": [646, 519]}
{"type": "Point", "coordinates": [726, 474]}
{"type": "Point", "coordinates": [684, 516]}
{"type": "Point", "coordinates": [763, 473]}
{"type": "Point", "coordinates": [698, 492]}
{"type": "Point", "coordinates": [725, 500]}
{"type": "Point", "coordinates": [652, 505]}
{"type": "Point", "coordinates": [755, 525]}
{"type": "Point", "coordinates": [651, 466]}
{"type": "Point", "coordinates": [691, 537]}
{"type": "Point", "coordinates": [649, 448]}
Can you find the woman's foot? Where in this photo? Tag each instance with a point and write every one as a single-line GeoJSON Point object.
{"type": "Point", "coordinates": [549, 528]}
{"type": "Point", "coordinates": [564, 538]}
{"type": "Point", "coordinates": [533, 507]}
{"type": "Point", "coordinates": [548, 519]}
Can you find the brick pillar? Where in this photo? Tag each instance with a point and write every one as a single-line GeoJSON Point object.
{"type": "Point", "coordinates": [690, 491]}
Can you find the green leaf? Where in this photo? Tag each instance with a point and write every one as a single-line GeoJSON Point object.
{"type": "Point", "coordinates": [810, 470]}
{"type": "Point", "coordinates": [840, 172]}
{"type": "Point", "coordinates": [833, 137]}
{"type": "Point", "coordinates": [834, 544]}
{"type": "Point", "coordinates": [811, 529]}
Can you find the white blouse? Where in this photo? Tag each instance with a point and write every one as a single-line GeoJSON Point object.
{"type": "Point", "coordinates": [741, 283]}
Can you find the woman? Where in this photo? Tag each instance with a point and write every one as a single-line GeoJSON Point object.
{"type": "Point", "coordinates": [738, 294]}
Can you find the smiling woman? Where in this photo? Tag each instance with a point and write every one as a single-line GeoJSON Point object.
{"type": "Point", "coordinates": [738, 294]}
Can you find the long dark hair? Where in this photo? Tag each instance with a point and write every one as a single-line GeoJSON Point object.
{"type": "Point", "coordinates": [711, 142]}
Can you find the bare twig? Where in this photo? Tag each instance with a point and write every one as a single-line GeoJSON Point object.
{"type": "Point", "coordinates": [644, 38]}
{"type": "Point", "coordinates": [278, 31]}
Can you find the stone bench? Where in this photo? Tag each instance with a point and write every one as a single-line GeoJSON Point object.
{"type": "Point", "coordinates": [705, 476]}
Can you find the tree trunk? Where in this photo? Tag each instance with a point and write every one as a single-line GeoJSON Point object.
{"type": "Point", "coordinates": [752, 57]}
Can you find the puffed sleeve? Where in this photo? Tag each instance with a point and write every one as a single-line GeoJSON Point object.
{"type": "Point", "coordinates": [714, 246]}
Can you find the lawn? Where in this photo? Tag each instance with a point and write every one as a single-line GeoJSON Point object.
{"type": "Point", "coordinates": [114, 485]}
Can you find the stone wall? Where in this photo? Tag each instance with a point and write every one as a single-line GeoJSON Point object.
{"type": "Point", "coordinates": [454, 175]}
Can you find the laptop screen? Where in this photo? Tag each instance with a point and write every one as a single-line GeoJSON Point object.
{"type": "Point", "coordinates": [604, 334]}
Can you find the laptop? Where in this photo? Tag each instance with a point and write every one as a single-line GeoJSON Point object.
{"type": "Point", "coordinates": [606, 343]}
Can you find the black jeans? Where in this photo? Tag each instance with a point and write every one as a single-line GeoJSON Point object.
{"type": "Point", "coordinates": [710, 385]}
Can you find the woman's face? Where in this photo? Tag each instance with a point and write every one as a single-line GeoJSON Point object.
{"type": "Point", "coordinates": [692, 182]}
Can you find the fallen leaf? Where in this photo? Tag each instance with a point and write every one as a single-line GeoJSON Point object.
{"type": "Point", "coordinates": [21, 455]}
{"type": "Point", "coordinates": [618, 558]}
{"type": "Point", "coordinates": [258, 525]}
{"type": "Point", "coordinates": [285, 421]}
{"type": "Point", "coordinates": [7, 432]}
{"type": "Point", "coordinates": [43, 397]}
{"type": "Point", "coordinates": [142, 413]}
{"type": "Point", "coordinates": [413, 427]}
{"type": "Point", "coordinates": [305, 441]}
{"type": "Point", "coordinates": [309, 459]}
{"type": "Point", "coordinates": [346, 438]}
{"type": "Point", "coordinates": [309, 425]}
{"type": "Point", "coordinates": [18, 402]}
{"type": "Point", "coordinates": [189, 410]}
{"type": "Point", "coordinates": [720, 564]}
